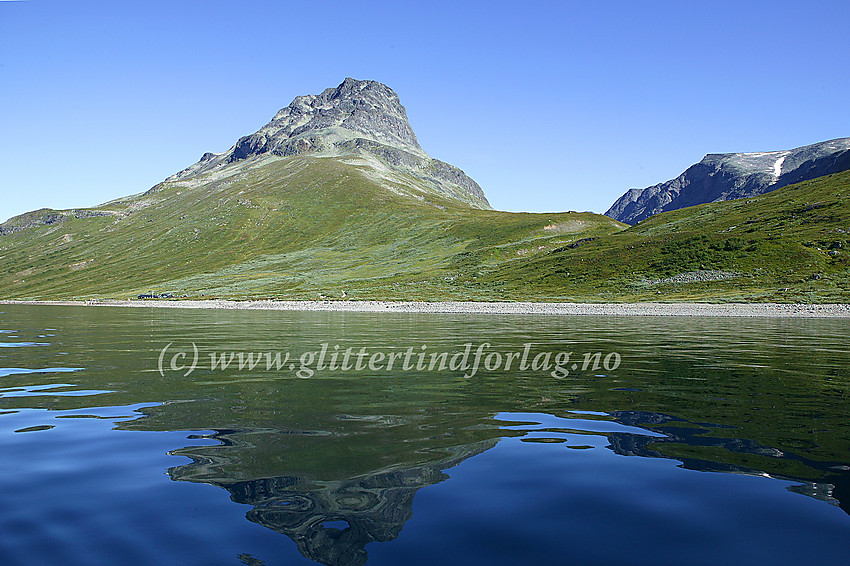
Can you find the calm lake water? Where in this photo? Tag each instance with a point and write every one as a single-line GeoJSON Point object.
{"type": "Point", "coordinates": [685, 441]}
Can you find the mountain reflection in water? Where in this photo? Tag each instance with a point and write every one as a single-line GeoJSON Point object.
{"type": "Point", "coordinates": [331, 521]}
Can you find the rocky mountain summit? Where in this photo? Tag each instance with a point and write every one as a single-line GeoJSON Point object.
{"type": "Point", "coordinates": [361, 122]}
{"type": "Point", "coordinates": [727, 176]}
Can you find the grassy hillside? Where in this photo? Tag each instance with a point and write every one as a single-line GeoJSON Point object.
{"type": "Point", "coordinates": [790, 245]}
{"type": "Point", "coordinates": [299, 227]}
{"type": "Point", "coordinates": [307, 227]}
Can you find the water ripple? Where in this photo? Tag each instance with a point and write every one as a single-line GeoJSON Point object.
{"type": "Point", "coordinates": [544, 422]}
{"type": "Point", "coordinates": [38, 390]}
{"type": "Point", "coordinates": [17, 371]}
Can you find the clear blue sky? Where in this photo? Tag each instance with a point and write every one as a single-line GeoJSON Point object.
{"type": "Point", "coordinates": [548, 105]}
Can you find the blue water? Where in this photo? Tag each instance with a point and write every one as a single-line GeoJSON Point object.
{"type": "Point", "coordinates": [714, 442]}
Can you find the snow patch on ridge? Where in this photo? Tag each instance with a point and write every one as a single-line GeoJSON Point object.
{"type": "Point", "coordinates": [777, 167]}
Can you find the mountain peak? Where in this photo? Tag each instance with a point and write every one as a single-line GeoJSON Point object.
{"type": "Point", "coordinates": [361, 120]}
{"type": "Point", "coordinates": [362, 108]}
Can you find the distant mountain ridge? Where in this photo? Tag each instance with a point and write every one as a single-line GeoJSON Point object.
{"type": "Point", "coordinates": [728, 176]}
{"type": "Point", "coordinates": [357, 119]}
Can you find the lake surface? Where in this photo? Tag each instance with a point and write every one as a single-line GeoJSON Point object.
{"type": "Point", "coordinates": [684, 441]}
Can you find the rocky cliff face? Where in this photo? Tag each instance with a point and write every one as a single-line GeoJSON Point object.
{"type": "Point", "coordinates": [356, 119]}
{"type": "Point", "coordinates": [729, 176]}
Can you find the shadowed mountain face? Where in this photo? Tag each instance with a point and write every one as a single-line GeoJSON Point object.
{"type": "Point", "coordinates": [362, 122]}
{"type": "Point", "coordinates": [730, 176]}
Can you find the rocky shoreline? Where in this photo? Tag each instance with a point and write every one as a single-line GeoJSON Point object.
{"type": "Point", "coordinates": [774, 310]}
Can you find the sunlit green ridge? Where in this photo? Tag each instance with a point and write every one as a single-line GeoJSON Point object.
{"type": "Point", "coordinates": [293, 227]}
{"type": "Point", "coordinates": [310, 227]}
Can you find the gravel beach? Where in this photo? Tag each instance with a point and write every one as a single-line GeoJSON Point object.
{"type": "Point", "coordinates": [506, 308]}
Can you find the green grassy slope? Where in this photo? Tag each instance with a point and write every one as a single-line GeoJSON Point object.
{"type": "Point", "coordinates": [790, 245]}
{"type": "Point", "coordinates": [306, 227]}
{"type": "Point", "coordinates": [300, 227]}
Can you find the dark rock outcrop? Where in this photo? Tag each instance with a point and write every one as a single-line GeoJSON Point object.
{"type": "Point", "coordinates": [46, 217]}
